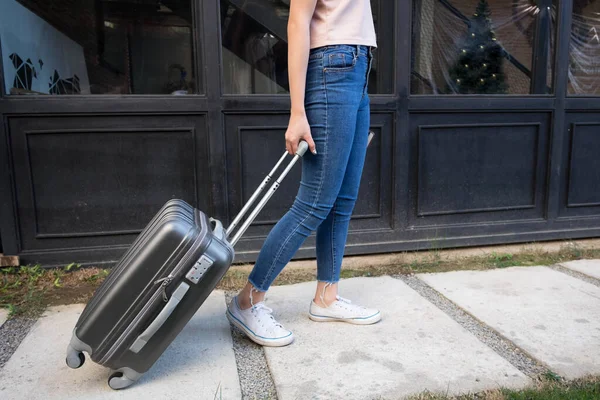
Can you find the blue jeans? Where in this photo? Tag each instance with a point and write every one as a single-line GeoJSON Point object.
{"type": "Point", "coordinates": [337, 108]}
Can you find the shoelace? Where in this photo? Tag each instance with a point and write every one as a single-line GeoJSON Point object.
{"type": "Point", "coordinates": [340, 298]}
{"type": "Point", "coordinates": [266, 311]}
{"type": "Point", "coordinates": [343, 300]}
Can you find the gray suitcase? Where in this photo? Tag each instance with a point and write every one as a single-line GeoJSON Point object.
{"type": "Point", "coordinates": [159, 284]}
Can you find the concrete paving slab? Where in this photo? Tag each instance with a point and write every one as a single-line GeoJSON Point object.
{"type": "Point", "coordinates": [415, 347]}
{"type": "Point", "coordinates": [552, 316]}
{"type": "Point", "coordinates": [587, 267]}
{"type": "Point", "coordinates": [197, 363]}
{"type": "Point", "coordinates": [3, 316]}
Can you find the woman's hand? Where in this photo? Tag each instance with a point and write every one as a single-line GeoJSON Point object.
{"type": "Point", "coordinates": [298, 129]}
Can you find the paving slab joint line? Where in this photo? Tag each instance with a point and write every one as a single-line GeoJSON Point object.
{"type": "Point", "coordinates": [575, 274]}
{"type": "Point", "coordinates": [12, 333]}
{"type": "Point", "coordinates": [519, 358]}
{"type": "Point", "coordinates": [254, 373]}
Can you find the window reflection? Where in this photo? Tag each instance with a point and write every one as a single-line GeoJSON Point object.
{"type": "Point", "coordinates": [483, 46]}
{"type": "Point", "coordinates": [254, 39]}
{"type": "Point", "coordinates": [584, 66]}
{"type": "Point", "coordinates": [254, 46]}
{"type": "Point", "coordinates": [97, 47]}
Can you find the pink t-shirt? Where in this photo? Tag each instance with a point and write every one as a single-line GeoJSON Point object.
{"type": "Point", "coordinates": [342, 22]}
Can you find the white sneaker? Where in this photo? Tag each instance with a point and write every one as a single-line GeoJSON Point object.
{"type": "Point", "coordinates": [343, 310]}
{"type": "Point", "coordinates": [258, 324]}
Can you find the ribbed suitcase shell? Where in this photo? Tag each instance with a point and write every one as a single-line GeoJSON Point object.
{"type": "Point", "coordinates": [130, 297]}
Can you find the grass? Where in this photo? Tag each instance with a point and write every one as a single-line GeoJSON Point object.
{"type": "Point", "coordinates": [27, 290]}
{"type": "Point", "coordinates": [580, 389]}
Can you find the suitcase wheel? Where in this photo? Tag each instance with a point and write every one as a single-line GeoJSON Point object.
{"type": "Point", "coordinates": [117, 380]}
{"type": "Point", "coordinates": [75, 359]}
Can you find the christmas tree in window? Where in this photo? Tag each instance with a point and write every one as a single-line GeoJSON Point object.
{"type": "Point", "coordinates": [479, 67]}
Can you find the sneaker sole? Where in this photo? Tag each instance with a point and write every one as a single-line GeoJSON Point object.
{"type": "Point", "coordinates": [356, 321]}
{"type": "Point", "coordinates": [258, 340]}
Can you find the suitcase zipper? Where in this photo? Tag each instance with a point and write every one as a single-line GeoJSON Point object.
{"type": "Point", "coordinates": [162, 291]}
{"type": "Point", "coordinates": [164, 282]}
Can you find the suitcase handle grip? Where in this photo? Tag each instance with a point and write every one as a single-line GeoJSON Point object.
{"type": "Point", "coordinates": [161, 318]}
{"type": "Point", "coordinates": [218, 230]}
{"type": "Point", "coordinates": [302, 147]}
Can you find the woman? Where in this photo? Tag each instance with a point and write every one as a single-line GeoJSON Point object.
{"type": "Point", "coordinates": [329, 61]}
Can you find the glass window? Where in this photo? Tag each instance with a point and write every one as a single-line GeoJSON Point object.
{"type": "Point", "coordinates": [483, 46]}
{"type": "Point", "coordinates": [584, 65]}
{"type": "Point", "coordinates": [98, 47]}
{"type": "Point", "coordinates": [254, 40]}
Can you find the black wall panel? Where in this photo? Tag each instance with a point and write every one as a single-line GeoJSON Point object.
{"type": "Point", "coordinates": [478, 167]}
{"type": "Point", "coordinates": [88, 181]}
{"type": "Point", "coordinates": [584, 166]}
{"type": "Point", "coordinates": [580, 190]}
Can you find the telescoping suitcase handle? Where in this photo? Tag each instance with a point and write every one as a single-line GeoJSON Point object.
{"type": "Point", "coordinates": [302, 148]}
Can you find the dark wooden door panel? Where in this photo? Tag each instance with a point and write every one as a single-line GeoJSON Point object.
{"type": "Point", "coordinates": [478, 167]}
{"type": "Point", "coordinates": [580, 179]}
{"type": "Point", "coordinates": [89, 181]}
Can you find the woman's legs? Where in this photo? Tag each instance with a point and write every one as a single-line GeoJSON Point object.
{"type": "Point", "coordinates": [333, 232]}
{"type": "Point", "coordinates": [337, 108]}
{"type": "Point", "coordinates": [322, 177]}
{"type": "Point", "coordinates": [332, 102]}
{"type": "Point", "coordinates": [332, 235]}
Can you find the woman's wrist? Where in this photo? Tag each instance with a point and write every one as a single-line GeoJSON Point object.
{"type": "Point", "coordinates": [298, 112]}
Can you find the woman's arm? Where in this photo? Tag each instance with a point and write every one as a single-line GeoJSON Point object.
{"type": "Point", "coordinates": [301, 12]}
